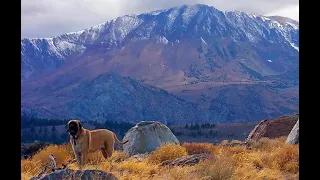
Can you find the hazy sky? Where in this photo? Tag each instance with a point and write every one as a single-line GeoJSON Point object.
{"type": "Point", "coordinates": [47, 18]}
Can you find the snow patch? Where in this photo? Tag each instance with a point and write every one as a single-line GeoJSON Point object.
{"type": "Point", "coordinates": [250, 37]}
{"type": "Point", "coordinates": [294, 46]}
{"type": "Point", "coordinates": [203, 41]}
{"type": "Point", "coordinates": [171, 18]}
{"type": "Point", "coordinates": [189, 13]}
{"type": "Point", "coordinates": [63, 45]}
{"type": "Point", "coordinates": [157, 12]}
{"type": "Point", "coordinates": [34, 43]}
{"type": "Point", "coordinates": [76, 33]}
{"type": "Point", "coordinates": [264, 18]}
{"type": "Point", "coordinates": [53, 48]}
{"type": "Point", "coordinates": [162, 40]}
{"type": "Point", "coordinates": [292, 25]}
{"type": "Point", "coordinates": [276, 23]}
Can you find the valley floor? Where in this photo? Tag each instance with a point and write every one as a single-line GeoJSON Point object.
{"type": "Point", "coordinates": [216, 134]}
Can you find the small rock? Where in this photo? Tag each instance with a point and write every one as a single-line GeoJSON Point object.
{"type": "Point", "coordinates": [140, 157]}
{"type": "Point", "coordinates": [187, 161]}
{"type": "Point", "coordinates": [78, 175]}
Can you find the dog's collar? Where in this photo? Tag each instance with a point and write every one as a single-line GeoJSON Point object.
{"type": "Point", "coordinates": [74, 141]}
{"type": "Point", "coordinates": [75, 137]}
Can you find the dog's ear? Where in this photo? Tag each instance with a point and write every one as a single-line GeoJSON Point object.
{"type": "Point", "coordinates": [80, 126]}
{"type": "Point", "coordinates": [67, 126]}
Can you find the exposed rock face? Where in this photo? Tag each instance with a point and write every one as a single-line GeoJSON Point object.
{"type": "Point", "coordinates": [293, 137]}
{"type": "Point", "coordinates": [147, 136]}
{"type": "Point", "coordinates": [78, 174]}
{"type": "Point", "coordinates": [117, 98]}
{"type": "Point", "coordinates": [274, 128]}
{"type": "Point", "coordinates": [29, 149]}
{"type": "Point", "coordinates": [186, 161]}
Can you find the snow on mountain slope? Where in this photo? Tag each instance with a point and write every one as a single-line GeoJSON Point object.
{"type": "Point", "coordinates": [172, 24]}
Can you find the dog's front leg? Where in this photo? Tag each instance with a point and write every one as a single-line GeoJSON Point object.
{"type": "Point", "coordinates": [83, 159]}
{"type": "Point", "coordinates": [76, 153]}
{"type": "Point", "coordinates": [78, 157]}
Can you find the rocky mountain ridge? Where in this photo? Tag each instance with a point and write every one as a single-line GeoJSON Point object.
{"type": "Point", "coordinates": [197, 52]}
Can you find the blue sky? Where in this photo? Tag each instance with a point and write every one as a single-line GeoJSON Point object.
{"type": "Point", "coordinates": [47, 18]}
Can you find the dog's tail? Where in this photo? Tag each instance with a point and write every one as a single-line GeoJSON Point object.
{"type": "Point", "coordinates": [115, 137]}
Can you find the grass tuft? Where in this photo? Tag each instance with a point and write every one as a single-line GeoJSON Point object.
{"type": "Point", "coordinates": [199, 148]}
{"type": "Point", "coordinates": [167, 152]}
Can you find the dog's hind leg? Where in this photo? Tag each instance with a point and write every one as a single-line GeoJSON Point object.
{"type": "Point", "coordinates": [104, 153]}
{"type": "Point", "coordinates": [109, 149]}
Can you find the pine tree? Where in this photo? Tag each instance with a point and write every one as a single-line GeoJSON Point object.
{"type": "Point", "coordinates": [53, 134]}
{"type": "Point", "coordinates": [40, 130]}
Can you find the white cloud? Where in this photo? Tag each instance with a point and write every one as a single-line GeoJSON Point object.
{"type": "Point", "coordinates": [47, 18]}
{"type": "Point", "coordinates": [291, 11]}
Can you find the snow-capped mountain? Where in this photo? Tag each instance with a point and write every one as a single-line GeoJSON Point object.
{"type": "Point", "coordinates": [187, 50]}
{"type": "Point", "coordinates": [169, 26]}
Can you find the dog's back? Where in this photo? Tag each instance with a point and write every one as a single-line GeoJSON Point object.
{"type": "Point", "coordinates": [100, 137]}
{"type": "Point", "coordinates": [101, 133]}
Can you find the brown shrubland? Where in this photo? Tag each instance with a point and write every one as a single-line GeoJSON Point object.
{"type": "Point", "coordinates": [270, 159]}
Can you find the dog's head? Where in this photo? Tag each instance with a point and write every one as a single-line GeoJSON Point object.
{"type": "Point", "coordinates": [74, 128]}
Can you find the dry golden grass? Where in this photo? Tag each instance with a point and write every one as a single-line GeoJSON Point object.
{"type": "Point", "coordinates": [167, 152]}
{"type": "Point", "coordinates": [220, 169]}
{"type": "Point", "coordinates": [248, 171]}
{"type": "Point", "coordinates": [269, 159]}
{"type": "Point", "coordinates": [60, 153]}
{"type": "Point", "coordinates": [267, 144]}
{"type": "Point", "coordinates": [199, 148]}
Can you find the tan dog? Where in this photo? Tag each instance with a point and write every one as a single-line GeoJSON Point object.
{"type": "Point", "coordinates": [86, 141]}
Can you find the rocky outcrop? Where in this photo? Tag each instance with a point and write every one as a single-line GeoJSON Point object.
{"type": "Point", "coordinates": [293, 137]}
{"type": "Point", "coordinates": [78, 174]}
{"type": "Point", "coordinates": [147, 136]}
{"type": "Point", "coordinates": [29, 149]}
{"type": "Point", "coordinates": [274, 128]}
{"type": "Point", "coordinates": [187, 161]}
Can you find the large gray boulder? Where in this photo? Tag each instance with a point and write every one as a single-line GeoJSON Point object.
{"type": "Point", "coordinates": [147, 136]}
{"type": "Point", "coordinates": [78, 175]}
{"type": "Point", "coordinates": [293, 137]}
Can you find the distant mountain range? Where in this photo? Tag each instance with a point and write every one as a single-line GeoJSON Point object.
{"type": "Point", "coordinates": [230, 65]}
